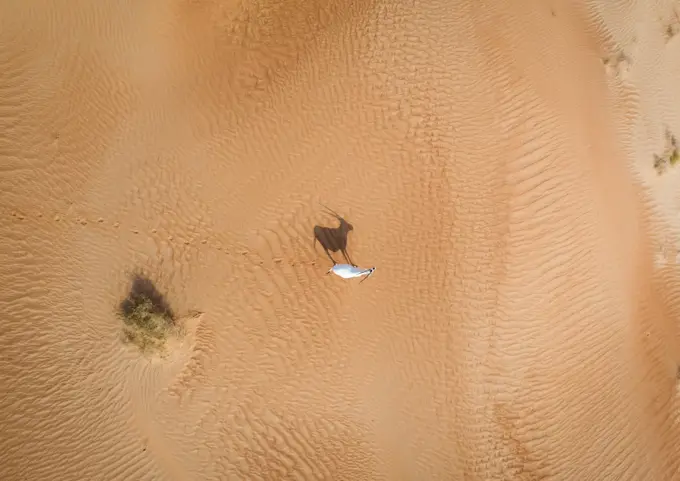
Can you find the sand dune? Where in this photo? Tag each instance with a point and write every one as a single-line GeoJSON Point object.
{"type": "Point", "coordinates": [496, 160]}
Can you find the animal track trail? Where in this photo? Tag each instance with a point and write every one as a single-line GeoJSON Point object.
{"type": "Point", "coordinates": [74, 219]}
{"type": "Point", "coordinates": [71, 218]}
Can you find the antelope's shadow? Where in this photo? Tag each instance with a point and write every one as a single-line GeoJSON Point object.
{"type": "Point", "coordinates": [334, 239]}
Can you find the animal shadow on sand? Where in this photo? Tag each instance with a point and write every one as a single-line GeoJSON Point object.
{"type": "Point", "coordinates": [334, 239]}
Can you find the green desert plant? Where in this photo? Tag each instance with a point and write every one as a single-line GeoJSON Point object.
{"type": "Point", "coordinates": [147, 318]}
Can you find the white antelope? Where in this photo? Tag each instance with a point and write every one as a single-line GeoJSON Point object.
{"type": "Point", "coordinates": [347, 271]}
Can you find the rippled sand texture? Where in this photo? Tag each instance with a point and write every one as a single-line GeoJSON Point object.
{"type": "Point", "coordinates": [495, 160]}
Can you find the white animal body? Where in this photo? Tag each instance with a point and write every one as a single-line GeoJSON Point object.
{"type": "Point", "coordinates": [347, 271]}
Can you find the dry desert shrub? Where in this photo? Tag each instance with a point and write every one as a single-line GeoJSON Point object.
{"type": "Point", "coordinates": [670, 155]}
{"type": "Point", "coordinates": [147, 318]}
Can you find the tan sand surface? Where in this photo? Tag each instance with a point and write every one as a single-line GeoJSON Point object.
{"type": "Point", "coordinates": [496, 162]}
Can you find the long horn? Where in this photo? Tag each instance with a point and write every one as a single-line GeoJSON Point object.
{"type": "Point", "coordinates": [367, 276]}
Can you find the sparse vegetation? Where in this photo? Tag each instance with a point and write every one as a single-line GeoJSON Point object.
{"type": "Point", "coordinates": [672, 26]}
{"type": "Point", "coordinates": [147, 317]}
{"type": "Point", "coordinates": [670, 155]}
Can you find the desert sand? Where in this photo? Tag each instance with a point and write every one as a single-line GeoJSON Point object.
{"type": "Point", "coordinates": [496, 162]}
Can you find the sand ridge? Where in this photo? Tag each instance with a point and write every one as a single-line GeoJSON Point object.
{"type": "Point", "coordinates": [495, 161]}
